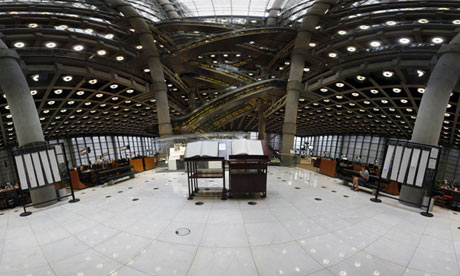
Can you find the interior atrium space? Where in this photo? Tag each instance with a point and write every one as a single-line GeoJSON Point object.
{"type": "Point", "coordinates": [229, 137]}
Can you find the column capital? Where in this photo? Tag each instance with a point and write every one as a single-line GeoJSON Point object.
{"type": "Point", "coordinates": [449, 48]}
{"type": "Point", "coordinates": [7, 53]}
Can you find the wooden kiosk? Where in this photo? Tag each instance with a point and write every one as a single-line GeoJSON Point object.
{"type": "Point", "coordinates": [247, 171]}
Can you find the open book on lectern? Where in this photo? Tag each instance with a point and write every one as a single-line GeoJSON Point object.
{"type": "Point", "coordinates": [247, 147]}
{"type": "Point", "coordinates": [202, 149]}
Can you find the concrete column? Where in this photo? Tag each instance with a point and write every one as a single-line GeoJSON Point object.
{"type": "Point", "coordinates": [442, 82]}
{"type": "Point", "coordinates": [191, 98]}
{"type": "Point", "coordinates": [430, 116]}
{"type": "Point", "coordinates": [152, 58]}
{"type": "Point", "coordinates": [261, 122]}
{"type": "Point", "coordinates": [294, 86]}
{"type": "Point", "coordinates": [22, 106]}
{"type": "Point", "coordinates": [25, 116]}
{"type": "Point", "coordinates": [170, 9]}
{"type": "Point", "coordinates": [274, 12]}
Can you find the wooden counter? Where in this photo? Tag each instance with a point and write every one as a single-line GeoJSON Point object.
{"type": "Point", "coordinates": [149, 163]}
{"type": "Point", "coordinates": [75, 180]}
{"type": "Point", "coordinates": [328, 167]}
{"type": "Point", "coordinates": [137, 164]}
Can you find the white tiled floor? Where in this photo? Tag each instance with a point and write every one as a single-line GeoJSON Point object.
{"type": "Point", "coordinates": [288, 233]}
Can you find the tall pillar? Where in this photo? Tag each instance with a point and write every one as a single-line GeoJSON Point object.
{"type": "Point", "coordinates": [29, 131]}
{"type": "Point", "coordinates": [261, 122]}
{"type": "Point", "coordinates": [191, 98]}
{"type": "Point", "coordinates": [153, 61]}
{"type": "Point", "coordinates": [274, 12]}
{"type": "Point", "coordinates": [442, 82]}
{"type": "Point", "coordinates": [22, 106]}
{"type": "Point", "coordinates": [294, 86]}
{"type": "Point", "coordinates": [431, 113]}
{"type": "Point", "coordinates": [170, 9]}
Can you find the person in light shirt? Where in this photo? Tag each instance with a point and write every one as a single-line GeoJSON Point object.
{"type": "Point", "coordinates": [361, 179]}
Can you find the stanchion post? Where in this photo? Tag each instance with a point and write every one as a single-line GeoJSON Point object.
{"type": "Point", "coordinates": [25, 213]}
{"type": "Point", "coordinates": [376, 199]}
{"type": "Point", "coordinates": [73, 200]}
{"type": "Point", "coordinates": [427, 213]}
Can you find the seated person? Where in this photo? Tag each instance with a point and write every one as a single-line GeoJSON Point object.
{"type": "Point", "coordinates": [362, 179]}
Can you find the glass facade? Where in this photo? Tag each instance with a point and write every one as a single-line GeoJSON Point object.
{"type": "Point", "coordinates": [193, 8]}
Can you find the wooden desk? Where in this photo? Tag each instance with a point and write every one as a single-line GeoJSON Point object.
{"type": "Point", "coordinates": [137, 164]}
{"type": "Point", "coordinates": [75, 180]}
{"type": "Point", "coordinates": [328, 167]}
{"type": "Point", "coordinates": [149, 163]}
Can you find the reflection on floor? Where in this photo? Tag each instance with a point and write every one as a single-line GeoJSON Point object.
{"type": "Point", "coordinates": [288, 233]}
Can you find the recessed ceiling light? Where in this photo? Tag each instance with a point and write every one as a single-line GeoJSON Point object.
{"type": "Point", "coordinates": [420, 73]}
{"type": "Point", "coordinates": [456, 22]}
{"type": "Point", "coordinates": [78, 47]}
{"type": "Point", "coordinates": [391, 23]}
{"type": "Point", "coordinates": [333, 55]}
{"type": "Point", "coordinates": [367, 102]}
{"type": "Point", "coordinates": [423, 21]}
{"type": "Point", "coordinates": [384, 101]}
{"type": "Point", "coordinates": [80, 93]}
{"type": "Point", "coordinates": [109, 36]}
{"type": "Point", "coordinates": [421, 90]}
{"type": "Point", "coordinates": [101, 52]}
{"type": "Point", "coordinates": [63, 27]}
{"type": "Point", "coordinates": [397, 90]}
{"type": "Point", "coordinates": [100, 95]}
{"type": "Point", "coordinates": [114, 98]}
{"type": "Point", "coordinates": [46, 111]}
{"type": "Point", "coordinates": [19, 44]}
{"type": "Point", "coordinates": [58, 91]}
{"type": "Point", "coordinates": [324, 90]}
{"type": "Point", "coordinates": [404, 40]}
{"type": "Point", "coordinates": [32, 25]}
{"type": "Point", "coordinates": [67, 78]}
{"type": "Point", "coordinates": [306, 69]}
{"type": "Point", "coordinates": [374, 91]}
{"type": "Point", "coordinates": [132, 30]}
{"type": "Point", "coordinates": [128, 101]}
{"type": "Point", "coordinates": [93, 81]}
{"type": "Point", "coordinates": [355, 94]}
{"type": "Point", "coordinates": [437, 40]}
{"type": "Point", "coordinates": [375, 43]}
{"type": "Point", "coordinates": [313, 44]}
{"type": "Point", "coordinates": [114, 86]}
{"type": "Point", "coordinates": [89, 31]}
{"type": "Point", "coordinates": [351, 104]}
{"type": "Point", "coordinates": [388, 74]}
{"type": "Point", "coordinates": [33, 92]}
{"type": "Point", "coordinates": [70, 102]}
{"type": "Point", "coordinates": [120, 58]}
{"type": "Point", "coordinates": [409, 110]}
{"type": "Point", "coordinates": [129, 91]}
{"type": "Point", "coordinates": [404, 101]}
{"type": "Point", "coordinates": [62, 111]}
{"type": "Point", "coordinates": [446, 114]}
{"type": "Point", "coordinates": [139, 47]}
{"type": "Point", "coordinates": [88, 103]}
{"type": "Point", "coordinates": [146, 70]}
{"type": "Point", "coordinates": [351, 49]}
{"type": "Point", "coordinates": [51, 102]}
{"type": "Point", "coordinates": [339, 97]}
{"type": "Point", "coordinates": [342, 32]}
{"type": "Point", "coordinates": [364, 27]}
{"type": "Point", "coordinates": [360, 78]}
{"type": "Point", "coordinates": [301, 99]}
{"type": "Point", "coordinates": [339, 84]}
{"type": "Point", "coordinates": [50, 44]}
